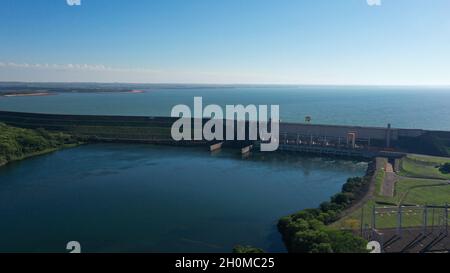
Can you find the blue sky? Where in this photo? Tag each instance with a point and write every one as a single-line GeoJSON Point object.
{"type": "Point", "coordinates": [400, 42]}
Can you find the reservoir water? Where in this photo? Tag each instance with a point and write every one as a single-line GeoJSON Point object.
{"type": "Point", "coordinates": [403, 107]}
{"type": "Point", "coordinates": [144, 198]}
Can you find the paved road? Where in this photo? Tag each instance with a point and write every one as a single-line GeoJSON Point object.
{"type": "Point", "coordinates": [390, 178]}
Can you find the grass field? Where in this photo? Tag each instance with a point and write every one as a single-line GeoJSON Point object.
{"type": "Point", "coordinates": [428, 195]}
{"type": "Point", "coordinates": [423, 167]}
{"type": "Point", "coordinates": [408, 191]}
{"type": "Point", "coordinates": [429, 159]}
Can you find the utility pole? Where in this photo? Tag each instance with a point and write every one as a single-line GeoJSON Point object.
{"type": "Point", "coordinates": [374, 226]}
{"type": "Point", "coordinates": [446, 219]}
{"type": "Point", "coordinates": [362, 221]}
{"type": "Point", "coordinates": [425, 219]}
{"type": "Point", "coordinates": [399, 221]}
{"type": "Point", "coordinates": [432, 220]}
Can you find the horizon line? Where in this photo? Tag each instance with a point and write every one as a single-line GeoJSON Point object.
{"type": "Point", "coordinates": [231, 84]}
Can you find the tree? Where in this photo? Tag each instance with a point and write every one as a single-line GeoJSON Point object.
{"type": "Point", "coordinates": [310, 241]}
{"type": "Point", "coordinates": [343, 198]}
{"type": "Point", "coordinates": [353, 185]}
{"type": "Point", "coordinates": [445, 168]}
{"type": "Point", "coordinates": [17, 143]}
{"type": "Point", "coordinates": [346, 242]}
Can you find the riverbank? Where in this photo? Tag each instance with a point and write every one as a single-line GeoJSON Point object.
{"type": "Point", "coordinates": [19, 143]}
{"type": "Point", "coordinates": [311, 230]}
{"type": "Point", "coordinates": [43, 152]}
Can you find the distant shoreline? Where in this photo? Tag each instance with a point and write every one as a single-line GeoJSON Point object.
{"type": "Point", "coordinates": [52, 93]}
{"type": "Point", "coordinates": [39, 94]}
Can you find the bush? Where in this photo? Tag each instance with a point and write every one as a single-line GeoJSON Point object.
{"type": "Point", "coordinates": [345, 242]}
{"type": "Point", "coordinates": [330, 206]}
{"type": "Point", "coordinates": [445, 168]}
{"type": "Point", "coordinates": [307, 232]}
{"type": "Point", "coordinates": [16, 143]}
{"type": "Point", "coordinates": [343, 199]}
{"type": "Point", "coordinates": [353, 185]}
{"type": "Point", "coordinates": [311, 240]}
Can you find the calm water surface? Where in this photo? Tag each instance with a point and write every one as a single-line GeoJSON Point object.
{"type": "Point", "coordinates": [403, 107]}
{"type": "Point", "coordinates": [143, 198]}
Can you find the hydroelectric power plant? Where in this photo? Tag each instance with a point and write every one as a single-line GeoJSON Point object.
{"type": "Point", "coordinates": [339, 140]}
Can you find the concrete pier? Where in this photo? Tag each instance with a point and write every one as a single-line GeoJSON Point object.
{"type": "Point", "coordinates": [216, 147]}
{"type": "Point", "coordinates": [246, 149]}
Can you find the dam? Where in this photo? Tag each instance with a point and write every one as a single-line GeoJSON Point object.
{"type": "Point", "coordinates": [337, 140]}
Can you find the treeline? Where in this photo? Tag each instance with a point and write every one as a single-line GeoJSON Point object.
{"type": "Point", "coordinates": [307, 230]}
{"type": "Point", "coordinates": [18, 143]}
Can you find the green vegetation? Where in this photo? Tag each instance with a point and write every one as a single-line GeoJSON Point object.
{"type": "Point", "coordinates": [379, 180]}
{"type": "Point", "coordinates": [431, 160]}
{"type": "Point", "coordinates": [17, 143]}
{"type": "Point", "coordinates": [431, 143]}
{"type": "Point", "coordinates": [424, 167]}
{"type": "Point", "coordinates": [429, 194]}
{"type": "Point", "coordinates": [307, 230]}
{"type": "Point", "coordinates": [445, 168]}
{"type": "Point", "coordinates": [122, 132]}
{"type": "Point", "coordinates": [109, 128]}
{"type": "Point", "coordinates": [246, 249]}
{"type": "Point", "coordinates": [408, 191]}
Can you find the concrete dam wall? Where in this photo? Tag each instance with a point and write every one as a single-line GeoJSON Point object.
{"type": "Point", "coordinates": [293, 136]}
{"type": "Point", "coordinates": [378, 133]}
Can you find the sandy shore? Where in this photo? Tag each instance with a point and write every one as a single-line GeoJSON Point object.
{"type": "Point", "coordinates": [28, 94]}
